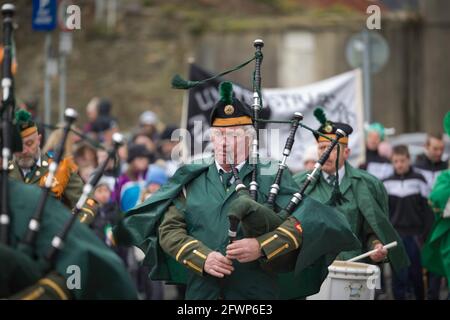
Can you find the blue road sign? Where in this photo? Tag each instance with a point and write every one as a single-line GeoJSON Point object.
{"type": "Point", "coordinates": [44, 15]}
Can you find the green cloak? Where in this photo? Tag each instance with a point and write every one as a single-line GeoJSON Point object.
{"type": "Point", "coordinates": [102, 273]}
{"type": "Point", "coordinates": [140, 225]}
{"type": "Point", "coordinates": [17, 271]}
{"type": "Point", "coordinates": [140, 228]}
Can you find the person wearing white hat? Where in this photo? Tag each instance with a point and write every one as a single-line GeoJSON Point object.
{"type": "Point", "coordinates": [310, 158]}
{"type": "Point", "coordinates": [148, 121]}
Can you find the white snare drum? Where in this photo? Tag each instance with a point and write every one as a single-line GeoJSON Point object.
{"type": "Point", "coordinates": [349, 281]}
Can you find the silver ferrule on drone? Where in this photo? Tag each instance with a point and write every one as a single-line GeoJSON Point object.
{"type": "Point", "coordinates": [51, 174]}
{"type": "Point", "coordinates": [4, 219]}
{"type": "Point", "coordinates": [253, 186]}
{"type": "Point", "coordinates": [86, 191]}
{"type": "Point", "coordinates": [312, 176]}
{"type": "Point", "coordinates": [232, 234]}
{"type": "Point", "coordinates": [34, 225]}
{"type": "Point", "coordinates": [296, 198]}
{"type": "Point", "coordinates": [57, 242]}
{"type": "Point", "coordinates": [6, 85]}
{"type": "Point", "coordinates": [256, 103]}
{"type": "Point", "coordinates": [6, 153]}
{"type": "Point", "coordinates": [274, 188]}
{"type": "Point", "coordinates": [240, 187]}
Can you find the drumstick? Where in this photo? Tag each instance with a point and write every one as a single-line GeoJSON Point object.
{"type": "Point", "coordinates": [365, 255]}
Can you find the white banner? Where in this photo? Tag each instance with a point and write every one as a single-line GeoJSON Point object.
{"type": "Point", "coordinates": [341, 99]}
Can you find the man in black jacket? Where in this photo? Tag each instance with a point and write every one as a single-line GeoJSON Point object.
{"type": "Point", "coordinates": [412, 218]}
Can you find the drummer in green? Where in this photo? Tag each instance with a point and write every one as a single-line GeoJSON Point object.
{"type": "Point", "coordinates": [186, 223]}
{"type": "Point", "coordinates": [358, 195]}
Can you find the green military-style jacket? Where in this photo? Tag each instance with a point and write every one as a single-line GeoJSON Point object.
{"type": "Point", "coordinates": [67, 191]}
{"type": "Point", "coordinates": [366, 209]}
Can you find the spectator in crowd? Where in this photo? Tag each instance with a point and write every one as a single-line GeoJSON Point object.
{"type": "Point", "coordinates": [139, 181]}
{"type": "Point", "coordinates": [376, 164]}
{"type": "Point", "coordinates": [412, 218]}
{"type": "Point", "coordinates": [310, 158]}
{"type": "Point", "coordinates": [143, 139]}
{"type": "Point", "coordinates": [91, 114]}
{"type": "Point", "coordinates": [156, 177]}
{"type": "Point", "coordinates": [131, 183]}
{"type": "Point", "coordinates": [148, 289]}
{"type": "Point", "coordinates": [108, 214]}
{"type": "Point", "coordinates": [148, 122]}
{"type": "Point", "coordinates": [167, 147]}
{"type": "Point", "coordinates": [430, 164]}
{"type": "Point", "coordinates": [85, 155]}
{"type": "Point", "coordinates": [112, 170]}
{"type": "Point", "coordinates": [385, 149]}
{"type": "Point", "coordinates": [105, 124]}
{"type": "Point", "coordinates": [122, 154]}
{"type": "Point", "coordinates": [54, 139]}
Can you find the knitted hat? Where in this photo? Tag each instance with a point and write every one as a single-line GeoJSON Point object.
{"type": "Point", "coordinates": [156, 174]}
{"type": "Point", "coordinates": [137, 151]}
{"type": "Point", "coordinates": [377, 127]}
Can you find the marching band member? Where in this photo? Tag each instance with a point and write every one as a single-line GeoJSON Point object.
{"type": "Point", "coordinates": [364, 202]}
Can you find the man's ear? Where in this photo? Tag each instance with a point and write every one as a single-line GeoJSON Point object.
{"type": "Point", "coordinates": [347, 152]}
{"type": "Point", "coordinates": [39, 138]}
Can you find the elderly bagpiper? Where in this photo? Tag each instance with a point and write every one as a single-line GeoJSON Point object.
{"type": "Point", "coordinates": [195, 221]}
{"type": "Point", "coordinates": [186, 222]}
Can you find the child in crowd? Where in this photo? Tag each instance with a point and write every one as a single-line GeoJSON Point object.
{"type": "Point", "coordinates": [412, 218]}
{"type": "Point", "coordinates": [130, 184]}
